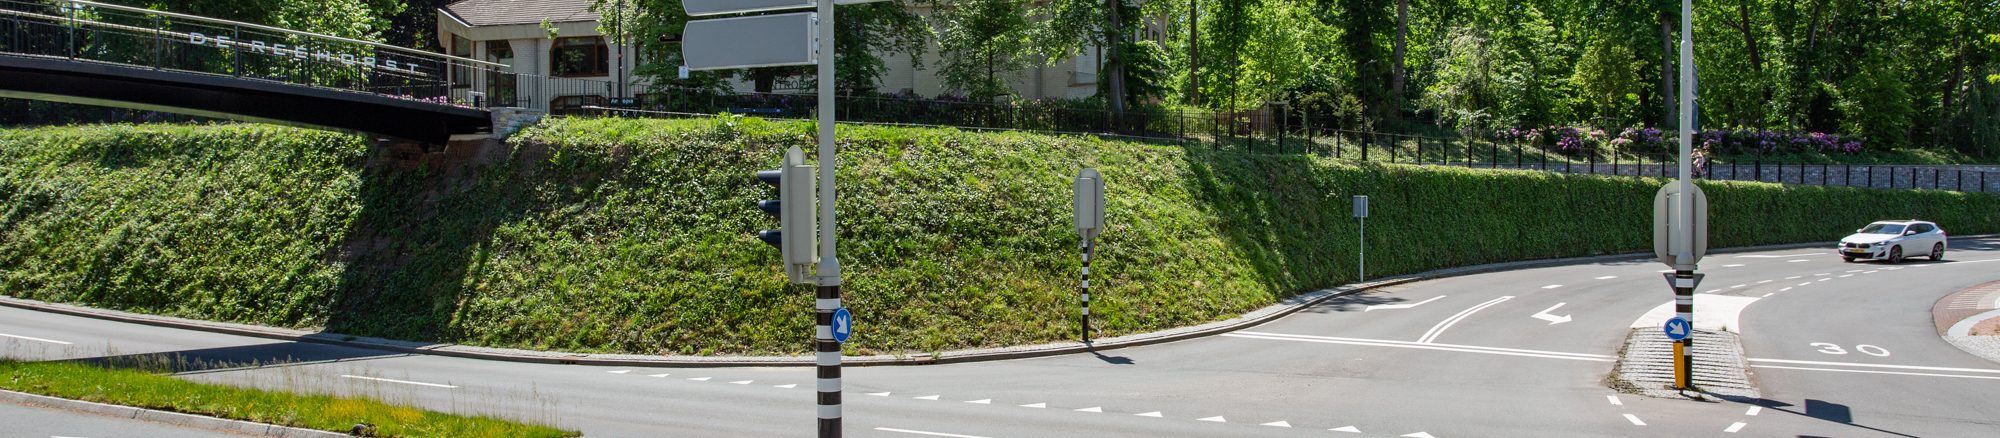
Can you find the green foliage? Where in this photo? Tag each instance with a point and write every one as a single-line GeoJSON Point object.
{"type": "Point", "coordinates": [1876, 103]}
{"type": "Point", "coordinates": [636, 236]}
{"type": "Point", "coordinates": [1606, 76]}
{"type": "Point", "coordinates": [128, 387]}
{"type": "Point", "coordinates": [984, 42]}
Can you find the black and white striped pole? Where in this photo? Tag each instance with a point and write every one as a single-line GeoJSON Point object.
{"type": "Point", "coordinates": [1089, 219]}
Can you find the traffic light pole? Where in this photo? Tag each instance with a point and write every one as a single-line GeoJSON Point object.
{"type": "Point", "coordinates": [828, 293]}
{"type": "Point", "coordinates": [1683, 237]}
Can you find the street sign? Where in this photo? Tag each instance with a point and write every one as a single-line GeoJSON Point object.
{"type": "Point", "coordinates": [843, 325]}
{"type": "Point", "coordinates": [699, 8]}
{"type": "Point", "coordinates": [1089, 202]}
{"type": "Point", "coordinates": [1677, 329]}
{"type": "Point", "coordinates": [1664, 205]}
{"type": "Point", "coordinates": [1361, 206]}
{"type": "Point", "coordinates": [756, 41]}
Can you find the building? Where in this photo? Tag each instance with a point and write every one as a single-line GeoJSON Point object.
{"type": "Point", "coordinates": [579, 66]}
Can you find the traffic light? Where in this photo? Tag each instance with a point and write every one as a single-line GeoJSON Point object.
{"type": "Point", "coordinates": [794, 209]}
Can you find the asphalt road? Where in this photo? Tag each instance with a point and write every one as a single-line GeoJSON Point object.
{"type": "Point", "coordinates": [1517, 353]}
{"type": "Point", "coordinates": [24, 421]}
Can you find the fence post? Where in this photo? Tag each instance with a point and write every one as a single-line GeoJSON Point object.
{"type": "Point", "coordinates": [1394, 146]}
{"type": "Point", "coordinates": [1364, 150]}
{"type": "Point", "coordinates": [1847, 176]}
{"type": "Point", "coordinates": [1960, 177]}
{"type": "Point", "coordinates": [1760, 170]}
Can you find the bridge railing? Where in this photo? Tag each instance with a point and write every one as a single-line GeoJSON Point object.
{"type": "Point", "coordinates": [87, 31]}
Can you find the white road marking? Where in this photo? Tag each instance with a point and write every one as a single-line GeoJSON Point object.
{"type": "Point", "coordinates": [1279, 423]}
{"type": "Point", "coordinates": [1732, 266]}
{"type": "Point", "coordinates": [1735, 427]}
{"type": "Point", "coordinates": [1552, 319]}
{"type": "Point", "coordinates": [658, 375]}
{"type": "Point", "coordinates": [1614, 400]}
{"type": "Point", "coordinates": [1853, 271]}
{"type": "Point", "coordinates": [982, 402]}
{"type": "Point", "coordinates": [619, 371]}
{"type": "Point", "coordinates": [52, 341]}
{"type": "Point", "coordinates": [1848, 275]}
{"type": "Point", "coordinates": [1796, 261]}
{"type": "Point", "coordinates": [406, 382]}
{"type": "Point", "coordinates": [1401, 306]}
{"type": "Point", "coordinates": [1454, 319]}
{"type": "Point", "coordinates": [743, 382]}
{"type": "Point", "coordinates": [1822, 274]}
{"type": "Point", "coordinates": [1870, 365]}
{"type": "Point", "coordinates": [927, 397]}
{"type": "Point", "coordinates": [1805, 283]}
{"type": "Point", "coordinates": [1154, 414]}
{"type": "Point", "coordinates": [1825, 279]}
{"type": "Point", "coordinates": [1795, 277]}
{"type": "Point", "coordinates": [1711, 312]}
{"type": "Point", "coordinates": [1607, 277]}
{"type": "Point", "coordinates": [1713, 291]}
{"type": "Point", "coordinates": [1552, 286]}
{"type": "Point", "coordinates": [1737, 286]}
{"type": "Point", "coordinates": [919, 432]}
{"type": "Point", "coordinates": [787, 386]}
{"type": "Point", "coordinates": [1754, 410]}
{"type": "Point", "coordinates": [1871, 272]}
{"type": "Point", "coordinates": [1423, 346]}
{"type": "Point", "coordinates": [1770, 294]}
{"type": "Point", "coordinates": [1092, 409]}
{"type": "Point", "coordinates": [879, 394]}
{"type": "Point", "coordinates": [1217, 419]}
{"type": "Point", "coordinates": [1037, 406]}
{"type": "Point", "coordinates": [1785, 289]}
{"type": "Point", "coordinates": [1770, 256]}
{"type": "Point", "coordinates": [1348, 429]}
{"type": "Point", "coordinates": [1765, 281]}
{"type": "Point", "coordinates": [701, 379]}
{"type": "Point", "coordinates": [1635, 420]}
{"type": "Point", "coordinates": [1877, 372]}
{"type": "Point", "coordinates": [1419, 435]}
{"type": "Point", "coordinates": [1665, 270]}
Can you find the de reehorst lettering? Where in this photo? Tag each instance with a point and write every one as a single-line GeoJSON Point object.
{"type": "Point", "coordinates": [300, 52]}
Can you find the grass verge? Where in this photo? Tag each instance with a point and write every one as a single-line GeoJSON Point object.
{"type": "Point", "coordinates": [128, 387]}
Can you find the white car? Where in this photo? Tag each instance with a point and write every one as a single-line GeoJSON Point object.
{"type": "Point", "coordinates": [1894, 241]}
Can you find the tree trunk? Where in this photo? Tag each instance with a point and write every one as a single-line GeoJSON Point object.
{"type": "Point", "coordinates": [765, 78]}
{"type": "Point", "coordinates": [1113, 36]}
{"type": "Point", "coordinates": [1194, 52]}
{"type": "Point", "coordinates": [1402, 39]}
{"type": "Point", "coordinates": [1668, 99]}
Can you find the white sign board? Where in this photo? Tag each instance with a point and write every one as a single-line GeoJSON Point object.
{"type": "Point", "coordinates": [1665, 204]}
{"type": "Point", "coordinates": [757, 41]}
{"type": "Point", "coordinates": [698, 8]}
{"type": "Point", "coordinates": [1361, 206]}
{"type": "Point", "coordinates": [1089, 202]}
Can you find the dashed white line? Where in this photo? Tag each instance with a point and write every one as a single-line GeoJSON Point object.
{"type": "Point", "coordinates": [1731, 266]}
{"type": "Point", "coordinates": [658, 375]}
{"type": "Point", "coordinates": [1552, 286]}
{"type": "Point", "coordinates": [1737, 286]}
{"type": "Point", "coordinates": [1754, 410]}
{"type": "Point", "coordinates": [1848, 275]}
{"type": "Point", "coordinates": [1805, 283]}
{"type": "Point", "coordinates": [1735, 427]}
{"type": "Point", "coordinates": [1348, 429]}
{"type": "Point", "coordinates": [743, 382]}
{"type": "Point", "coordinates": [1785, 289]}
{"type": "Point", "coordinates": [879, 394]}
{"type": "Point", "coordinates": [787, 386]}
{"type": "Point", "coordinates": [1765, 281]}
{"type": "Point", "coordinates": [1037, 406]}
{"type": "Point", "coordinates": [619, 371]}
{"type": "Point", "coordinates": [1154, 414]}
{"type": "Point", "coordinates": [1853, 271]}
{"type": "Point", "coordinates": [1424, 346]}
{"type": "Point", "coordinates": [701, 379]}
{"type": "Point", "coordinates": [1635, 420]}
{"type": "Point", "coordinates": [1607, 277]}
{"type": "Point", "coordinates": [1099, 409]}
{"type": "Point", "coordinates": [1279, 423]}
{"type": "Point", "coordinates": [927, 397]}
{"type": "Point", "coordinates": [1614, 400]}
{"type": "Point", "coordinates": [1770, 294]}
{"type": "Point", "coordinates": [406, 382]}
{"type": "Point", "coordinates": [1713, 291]}
{"type": "Point", "coordinates": [1795, 277]}
{"type": "Point", "coordinates": [1796, 261]}
{"type": "Point", "coordinates": [919, 432]}
{"type": "Point", "coordinates": [52, 341]}
{"type": "Point", "coordinates": [1822, 274]}
{"type": "Point", "coordinates": [982, 402]}
{"type": "Point", "coordinates": [1217, 419]}
{"type": "Point", "coordinates": [1871, 272]}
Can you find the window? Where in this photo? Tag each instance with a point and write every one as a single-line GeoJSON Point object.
{"type": "Point", "coordinates": [461, 76]}
{"type": "Point", "coordinates": [500, 87]}
{"type": "Point", "coordinates": [580, 56]}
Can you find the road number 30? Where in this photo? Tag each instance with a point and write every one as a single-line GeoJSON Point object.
{"type": "Point", "coordinates": [1864, 349]}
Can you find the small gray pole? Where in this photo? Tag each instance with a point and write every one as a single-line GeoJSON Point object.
{"type": "Point", "coordinates": [1361, 212]}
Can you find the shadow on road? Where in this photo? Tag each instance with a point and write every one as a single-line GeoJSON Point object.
{"type": "Point", "coordinates": [1352, 303]}
{"type": "Point", "coordinates": [237, 358]}
{"type": "Point", "coordinates": [1816, 409]}
{"type": "Point", "coordinates": [1114, 360]}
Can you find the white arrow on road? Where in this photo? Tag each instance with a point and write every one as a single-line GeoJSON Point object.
{"type": "Point", "coordinates": [1552, 319]}
{"type": "Point", "coordinates": [1401, 306]}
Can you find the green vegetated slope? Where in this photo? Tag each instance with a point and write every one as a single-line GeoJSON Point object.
{"type": "Point", "coordinates": [611, 235]}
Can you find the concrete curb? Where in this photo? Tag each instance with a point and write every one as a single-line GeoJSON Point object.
{"type": "Point", "coordinates": [176, 418]}
{"type": "Point", "coordinates": [1247, 320]}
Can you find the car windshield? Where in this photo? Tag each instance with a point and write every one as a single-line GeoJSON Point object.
{"type": "Point", "coordinates": [1883, 229]}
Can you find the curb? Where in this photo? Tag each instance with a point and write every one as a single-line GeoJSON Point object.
{"type": "Point", "coordinates": [176, 418]}
{"type": "Point", "coordinates": [1244, 321]}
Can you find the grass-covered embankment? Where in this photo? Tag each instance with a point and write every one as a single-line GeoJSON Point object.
{"type": "Point", "coordinates": [141, 388]}
{"type": "Point", "coordinates": [605, 235]}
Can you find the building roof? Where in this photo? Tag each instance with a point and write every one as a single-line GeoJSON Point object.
{"type": "Point", "coordinates": [512, 12]}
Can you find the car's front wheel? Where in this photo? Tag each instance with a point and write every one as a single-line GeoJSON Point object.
{"type": "Point", "coordinates": [1937, 252]}
{"type": "Point", "coordinates": [1895, 255]}
{"type": "Point", "coordinates": [1847, 259]}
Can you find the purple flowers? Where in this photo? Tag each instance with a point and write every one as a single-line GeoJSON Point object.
{"type": "Point", "coordinates": [1742, 141]}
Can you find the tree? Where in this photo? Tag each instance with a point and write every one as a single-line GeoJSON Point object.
{"type": "Point", "coordinates": [981, 40]}
{"type": "Point", "coordinates": [1605, 75]}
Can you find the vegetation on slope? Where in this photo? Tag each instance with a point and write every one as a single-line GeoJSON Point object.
{"type": "Point", "coordinates": [615, 235]}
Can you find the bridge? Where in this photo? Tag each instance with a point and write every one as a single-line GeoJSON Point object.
{"type": "Point", "coordinates": [119, 56]}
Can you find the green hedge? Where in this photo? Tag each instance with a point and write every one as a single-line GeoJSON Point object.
{"type": "Point", "coordinates": [612, 235]}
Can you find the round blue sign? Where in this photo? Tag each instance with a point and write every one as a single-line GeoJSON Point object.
{"type": "Point", "coordinates": [1678, 329]}
{"type": "Point", "coordinates": [843, 324]}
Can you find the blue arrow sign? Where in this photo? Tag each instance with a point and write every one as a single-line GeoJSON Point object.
{"type": "Point", "coordinates": [843, 324]}
{"type": "Point", "coordinates": [1677, 328]}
